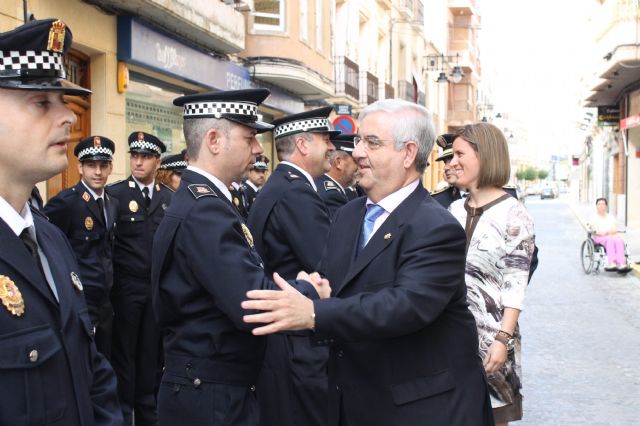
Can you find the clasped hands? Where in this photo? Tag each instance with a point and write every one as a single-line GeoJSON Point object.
{"type": "Point", "coordinates": [287, 309]}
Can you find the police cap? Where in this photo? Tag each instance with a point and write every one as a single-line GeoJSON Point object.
{"type": "Point", "coordinates": [95, 148]}
{"type": "Point", "coordinates": [260, 163]}
{"type": "Point", "coordinates": [445, 142]}
{"type": "Point", "coordinates": [315, 120]}
{"type": "Point", "coordinates": [31, 57]}
{"type": "Point", "coordinates": [174, 162]}
{"type": "Point", "coordinates": [344, 142]}
{"type": "Point", "coordinates": [239, 106]}
{"type": "Point", "coordinates": [146, 143]}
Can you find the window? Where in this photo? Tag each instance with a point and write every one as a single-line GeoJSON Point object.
{"type": "Point", "coordinates": [304, 20]}
{"type": "Point", "coordinates": [269, 15]}
{"type": "Point", "coordinates": [319, 5]}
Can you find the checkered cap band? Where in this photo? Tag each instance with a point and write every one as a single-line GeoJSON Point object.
{"type": "Point", "coordinates": [91, 151]}
{"type": "Point", "coordinates": [14, 60]}
{"type": "Point", "coordinates": [173, 165]}
{"type": "Point", "coordinates": [145, 145]}
{"type": "Point", "coordinates": [259, 165]}
{"type": "Point", "coordinates": [220, 109]}
{"type": "Point", "coordinates": [307, 125]}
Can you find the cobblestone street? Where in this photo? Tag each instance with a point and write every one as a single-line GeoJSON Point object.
{"type": "Point", "coordinates": [581, 333]}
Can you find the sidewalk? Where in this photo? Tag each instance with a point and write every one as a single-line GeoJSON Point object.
{"type": "Point", "coordinates": [583, 211]}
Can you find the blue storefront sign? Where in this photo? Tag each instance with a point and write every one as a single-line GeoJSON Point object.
{"type": "Point", "coordinates": [140, 44]}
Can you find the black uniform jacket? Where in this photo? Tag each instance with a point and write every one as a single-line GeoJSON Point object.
{"type": "Point", "coordinates": [135, 226]}
{"type": "Point", "coordinates": [76, 213]}
{"type": "Point", "coordinates": [204, 263]}
{"type": "Point", "coordinates": [50, 370]}
{"type": "Point", "coordinates": [331, 193]}
{"type": "Point", "coordinates": [250, 195]}
{"type": "Point", "coordinates": [290, 223]}
{"type": "Point", "coordinates": [404, 345]}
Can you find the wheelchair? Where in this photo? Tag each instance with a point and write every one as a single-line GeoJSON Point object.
{"type": "Point", "coordinates": [594, 256]}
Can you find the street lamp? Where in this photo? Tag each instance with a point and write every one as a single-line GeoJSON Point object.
{"type": "Point", "coordinates": [439, 62]}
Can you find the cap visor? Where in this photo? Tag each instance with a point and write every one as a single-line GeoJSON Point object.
{"type": "Point", "coordinates": [97, 158]}
{"type": "Point", "coordinates": [260, 126]}
{"type": "Point", "coordinates": [45, 85]}
{"type": "Point", "coordinates": [444, 157]}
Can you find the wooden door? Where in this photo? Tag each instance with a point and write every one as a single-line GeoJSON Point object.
{"type": "Point", "coordinates": [77, 67]}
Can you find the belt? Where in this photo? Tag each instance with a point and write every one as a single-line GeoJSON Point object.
{"type": "Point", "coordinates": [206, 370]}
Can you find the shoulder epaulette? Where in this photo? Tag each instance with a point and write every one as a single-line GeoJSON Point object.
{"type": "Point", "coordinates": [115, 183]}
{"type": "Point", "coordinates": [199, 190]}
{"type": "Point", "coordinates": [440, 191]}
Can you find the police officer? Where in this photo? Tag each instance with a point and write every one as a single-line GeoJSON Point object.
{"type": "Point", "coordinates": [257, 177]}
{"type": "Point", "coordinates": [86, 215]}
{"type": "Point", "coordinates": [136, 342]}
{"type": "Point", "coordinates": [171, 167]}
{"type": "Point", "coordinates": [290, 224]}
{"type": "Point", "coordinates": [332, 186]}
{"type": "Point", "coordinates": [50, 370]}
{"type": "Point", "coordinates": [204, 262]}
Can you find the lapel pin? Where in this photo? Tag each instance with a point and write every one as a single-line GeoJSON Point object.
{"type": "Point", "coordinates": [387, 236]}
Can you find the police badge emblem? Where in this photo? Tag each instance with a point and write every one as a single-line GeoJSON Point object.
{"type": "Point", "coordinates": [157, 187]}
{"type": "Point", "coordinates": [11, 296]}
{"type": "Point", "coordinates": [55, 43]}
{"type": "Point", "coordinates": [97, 143]}
{"type": "Point", "coordinates": [132, 184]}
{"type": "Point", "coordinates": [133, 206]}
{"type": "Point", "coordinates": [247, 234]}
{"type": "Point", "coordinates": [75, 280]}
{"type": "Point", "coordinates": [86, 197]}
{"type": "Point", "coordinates": [88, 223]}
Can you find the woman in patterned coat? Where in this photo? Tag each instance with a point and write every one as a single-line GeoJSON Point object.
{"type": "Point", "coordinates": [500, 242]}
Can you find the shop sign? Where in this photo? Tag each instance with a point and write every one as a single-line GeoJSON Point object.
{"type": "Point", "coordinates": [343, 109]}
{"type": "Point", "coordinates": [629, 122]}
{"type": "Point", "coordinates": [608, 115]}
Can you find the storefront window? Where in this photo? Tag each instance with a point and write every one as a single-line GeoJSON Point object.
{"type": "Point", "coordinates": [150, 109]}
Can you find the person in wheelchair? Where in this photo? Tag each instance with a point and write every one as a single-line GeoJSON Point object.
{"type": "Point", "coordinates": [604, 232]}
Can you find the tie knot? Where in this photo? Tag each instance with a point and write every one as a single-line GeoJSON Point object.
{"type": "Point", "coordinates": [28, 241]}
{"type": "Point", "coordinates": [373, 212]}
{"type": "Point", "coordinates": [145, 190]}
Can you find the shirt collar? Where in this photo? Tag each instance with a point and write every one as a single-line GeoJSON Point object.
{"type": "Point", "coordinates": [91, 191]}
{"type": "Point", "coordinates": [142, 185]}
{"type": "Point", "coordinates": [393, 200]}
{"type": "Point", "coordinates": [251, 184]}
{"type": "Point", "coordinates": [16, 221]}
{"type": "Point", "coordinates": [214, 180]}
{"type": "Point", "coordinates": [304, 172]}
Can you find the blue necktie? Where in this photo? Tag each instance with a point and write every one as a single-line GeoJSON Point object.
{"type": "Point", "coordinates": [373, 212]}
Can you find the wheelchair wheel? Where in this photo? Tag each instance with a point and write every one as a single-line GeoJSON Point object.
{"type": "Point", "coordinates": [587, 256]}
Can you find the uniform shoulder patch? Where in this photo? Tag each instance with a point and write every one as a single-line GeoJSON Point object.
{"type": "Point", "coordinates": [440, 191]}
{"type": "Point", "coordinates": [329, 184]}
{"type": "Point", "coordinates": [201, 190]}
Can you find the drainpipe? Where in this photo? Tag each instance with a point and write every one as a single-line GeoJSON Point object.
{"type": "Point", "coordinates": [24, 10]}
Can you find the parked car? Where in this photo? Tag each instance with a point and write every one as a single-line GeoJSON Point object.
{"type": "Point", "coordinates": [532, 190]}
{"type": "Point", "coordinates": [548, 192]}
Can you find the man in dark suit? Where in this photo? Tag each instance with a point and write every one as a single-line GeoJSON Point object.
{"type": "Point", "coordinates": [404, 345]}
{"type": "Point", "coordinates": [136, 348]}
{"type": "Point", "coordinates": [50, 370]}
{"type": "Point", "coordinates": [333, 185]}
{"type": "Point", "coordinates": [87, 215]}
{"type": "Point", "coordinates": [204, 261]}
{"type": "Point", "coordinates": [290, 224]}
{"type": "Point", "coordinates": [256, 178]}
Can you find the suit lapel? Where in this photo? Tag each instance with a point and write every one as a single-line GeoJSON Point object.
{"type": "Point", "coordinates": [89, 202]}
{"type": "Point", "coordinates": [14, 252]}
{"type": "Point", "coordinates": [157, 197]}
{"type": "Point", "coordinates": [384, 236]}
{"type": "Point", "coordinates": [112, 212]}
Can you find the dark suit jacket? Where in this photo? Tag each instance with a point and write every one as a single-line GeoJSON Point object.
{"type": "Point", "coordinates": [203, 265]}
{"type": "Point", "coordinates": [331, 194]}
{"type": "Point", "coordinates": [135, 226]}
{"type": "Point", "coordinates": [50, 370]}
{"type": "Point", "coordinates": [250, 195]}
{"type": "Point", "coordinates": [76, 213]}
{"type": "Point", "coordinates": [404, 345]}
{"type": "Point", "coordinates": [290, 224]}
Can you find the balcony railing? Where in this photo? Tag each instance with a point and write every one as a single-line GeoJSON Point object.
{"type": "Point", "coordinates": [369, 84]}
{"type": "Point", "coordinates": [406, 91]}
{"type": "Point", "coordinates": [347, 73]}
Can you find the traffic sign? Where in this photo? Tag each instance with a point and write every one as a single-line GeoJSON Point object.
{"type": "Point", "coordinates": [344, 124]}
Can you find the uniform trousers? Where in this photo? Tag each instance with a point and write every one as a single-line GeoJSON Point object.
{"type": "Point", "coordinates": [136, 352]}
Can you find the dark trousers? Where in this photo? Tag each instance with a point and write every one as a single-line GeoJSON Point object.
{"type": "Point", "coordinates": [136, 350]}
{"type": "Point", "coordinates": [101, 314]}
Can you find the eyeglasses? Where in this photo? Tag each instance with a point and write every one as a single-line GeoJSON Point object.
{"type": "Point", "coordinates": [371, 142]}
